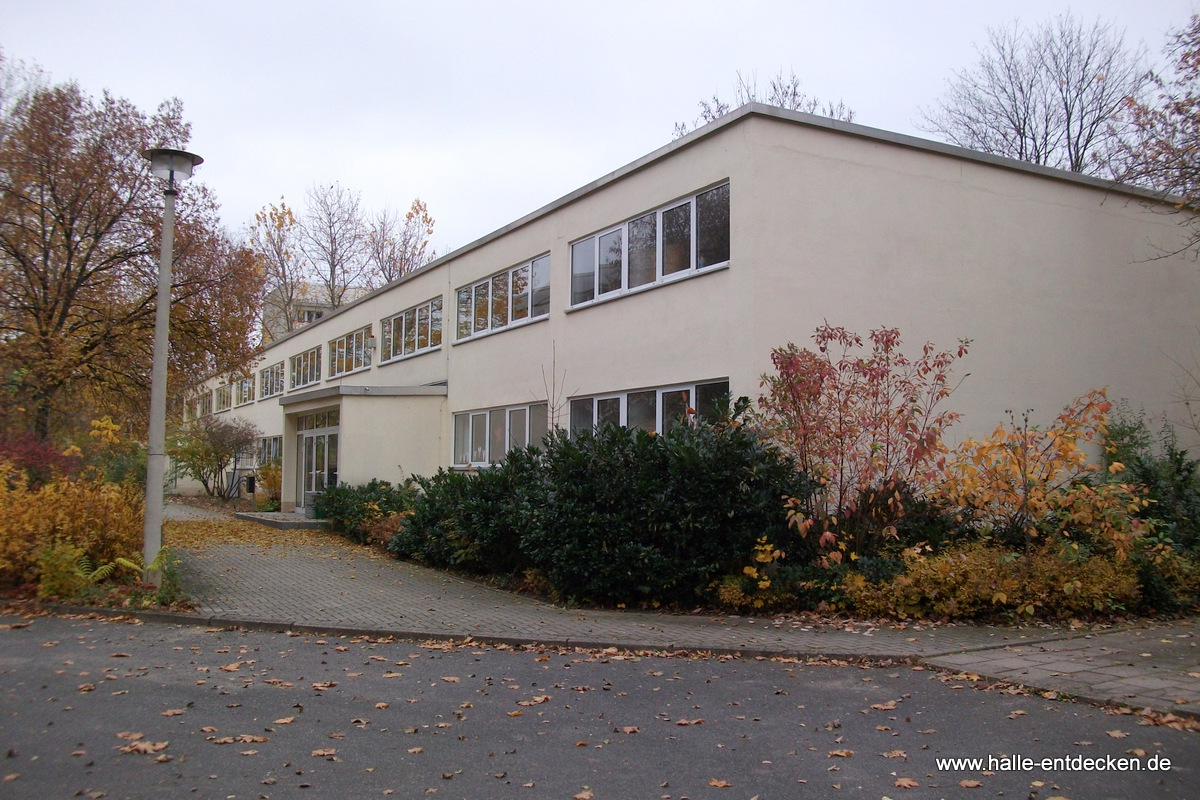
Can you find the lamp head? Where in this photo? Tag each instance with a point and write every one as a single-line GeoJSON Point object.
{"type": "Point", "coordinates": [170, 164]}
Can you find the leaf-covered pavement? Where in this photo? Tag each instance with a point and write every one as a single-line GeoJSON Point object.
{"type": "Point", "coordinates": [110, 709]}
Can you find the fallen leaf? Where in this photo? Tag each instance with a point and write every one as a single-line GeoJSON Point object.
{"type": "Point", "coordinates": [895, 754]}
{"type": "Point", "coordinates": [630, 729]}
{"type": "Point", "coordinates": [415, 750]}
{"type": "Point", "coordinates": [393, 674]}
{"type": "Point", "coordinates": [720, 784]}
{"type": "Point", "coordinates": [533, 701]}
{"type": "Point", "coordinates": [249, 752]}
{"type": "Point", "coordinates": [1118, 734]}
{"type": "Point", "coordinates": [449, 679]}
{"type": "Point", "coordinates": [688, 721]}
{"type": "Point", "coordinates": [515, 713]}
{"type": "Point", "coordinates": [324, 685]}
{"type": "Point", "coordinates": [143, 747]}
{"type": "Point", "coordinates": [130, 736]}
{"type": "Point", "coordinates": [1017, 713]}
{"type": "Point", "coordinates": [890, 705]}
{"type": "Point", "coordinates": [581, 744]}
{"type": "Point", "coordinates": [381, 706]}
{"type": "Point", "coordinates": [969, 784]}
{"type": "Point", "coordinates": [840, 753]}
{"type": "Point", "coordinates": [1137, 751]}
{"type": "Point", "coordinates": [285, 721]}
{"type": "Point", "coordinates": [325, 752]}
{"type": "Point", "coordinates": [172, 712]}
{"type": "Point", "coordinates": [87, 687]}
{"type": "Point", "coordinates": [247, 738]}
{"type": "Point", "coordinates": [586, 794]}
{"type": "Point", "coordinates": [119, 655]}
{"type": "Point", "coordinates": [906, 783]}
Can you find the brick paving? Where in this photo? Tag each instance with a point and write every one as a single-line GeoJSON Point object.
{"type": "Point", "coordinates": [319, 582]}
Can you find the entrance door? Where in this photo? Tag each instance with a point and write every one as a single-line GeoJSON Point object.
{"type": "Point", "coordinates": [317, 456]}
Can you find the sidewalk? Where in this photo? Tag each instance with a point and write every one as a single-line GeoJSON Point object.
{"type": "Point", "coordinates": [322, 583]}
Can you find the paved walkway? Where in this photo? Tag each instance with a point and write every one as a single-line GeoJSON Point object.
{"type": "Point", "coordinates": [320, 582]}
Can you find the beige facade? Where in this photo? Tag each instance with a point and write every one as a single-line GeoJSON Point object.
{"type": "Point", "coordinates": [1057, 279]}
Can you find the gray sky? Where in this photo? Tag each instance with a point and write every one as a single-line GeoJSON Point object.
{"type": "Point", "coordinates": [488, 111]}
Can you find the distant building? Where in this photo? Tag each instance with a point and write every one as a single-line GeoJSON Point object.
{"type": "Point", "coordinates": [310, 304]}
{"type": "Point", "coordinates": [667, 283]}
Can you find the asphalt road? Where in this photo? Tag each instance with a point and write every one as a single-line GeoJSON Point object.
{"type": "Point", "coordinates": [233, 714]}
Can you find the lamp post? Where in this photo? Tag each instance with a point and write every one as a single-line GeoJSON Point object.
{"type": "Point", "coordinates": [168, 165]}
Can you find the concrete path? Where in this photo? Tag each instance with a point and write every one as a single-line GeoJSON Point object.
{"type": "Point", "coordinates": [320, 582]}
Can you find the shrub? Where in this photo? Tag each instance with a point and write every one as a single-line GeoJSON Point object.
{"type": "Point", "coordinates": [40, 460]}
{"type": "Point", "coordinates": [474, 521]}
{"type": "Point", "coordinates": [867, 427]}
{"type": "Point", "coordinates": [352, 510]}
{"type": "Point", "coordinates": [1026, 483]}
{"type": "Point", "coordinates": [981, 579]}
{"type": "Point", "coordinates": [103, 520]}
{"type": "Point", "coordinates": [630, 517]}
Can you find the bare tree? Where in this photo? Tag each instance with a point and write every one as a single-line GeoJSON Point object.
{"type": "Point", "coordinates": [395, 245]}
{"type": "Point", "coordinates": [275, 238]}
{"type": "Point", "coordinates": [332, 238]}
{"type": "Point", "coordinates": [1052, 95]}
{"type": "Point", "coordinates": [782, 92]}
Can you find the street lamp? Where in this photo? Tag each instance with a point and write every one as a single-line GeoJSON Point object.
{"type": "Point", "coordinates": [168, 165]}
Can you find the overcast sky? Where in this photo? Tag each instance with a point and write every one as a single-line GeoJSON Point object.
{"type": "Point", "coordinates": [488, 111]}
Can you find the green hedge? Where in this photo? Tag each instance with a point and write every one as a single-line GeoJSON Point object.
{"type": "Point", "coordinates": [619, 516]}
{"type": "Point", "coordinates": [351, 510]}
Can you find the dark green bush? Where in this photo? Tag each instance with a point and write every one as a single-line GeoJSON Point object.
{"type": "Point", "coordinates": [630, 517]}
{"type": "Point", "coordinates": [474, 520]}
{"type": "Point", "coordinates": [351, 510]}
{"type": "Point", "coordinates": [619, 516]}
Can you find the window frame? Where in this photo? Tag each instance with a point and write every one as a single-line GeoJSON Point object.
{"type": "Point", "coordinates": [310, 362]}
{"type": "Point", "coordinates": [223, 398]}
{"type": "Point", "coordinates": [350, 353]}
{"type": "Point", "coordinates": [391, 343]}
{"type": "Point", "coordinates": [479, 426]}
{"type": "Point", "coordinates": [660, 426]}
{"type": "Point", "coordinates": [242, 397]}
{"type": "Point", "coordinates": [520, 309]}
{"type": "Point", "coordinates": [623, 229]}
{"type": "Point", "coordinates": [277, 377]}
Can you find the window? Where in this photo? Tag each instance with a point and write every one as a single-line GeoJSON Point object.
{"type": "Point", "coordinates": [350, 353]}
{"type": "Point", "coordinates": [675, 240]}
{"type": "Point", "coordinates": [202, 405]}
{"type": "Point", "coordinates": [415, 330]}
{"type": "Point", "coordinates": [509, 298]}
{"type": "Point", "coordinates": [484, 437]}
{"type": "Point", "coordinates": [650, 410]}
{"type": "Point", "coordinates": [224, 398]}
{"type": "Point", "coordinates": [270, 381]}
{"type": "Point", "coordinates": [243, 391]}
{"type": "Point", "coordinates": [270, 448]}
{"type": "Point", "coordinates": [306, 369]}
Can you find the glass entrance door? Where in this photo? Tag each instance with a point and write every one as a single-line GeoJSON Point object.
{"type": "Point", "coordinates": [317, 455]}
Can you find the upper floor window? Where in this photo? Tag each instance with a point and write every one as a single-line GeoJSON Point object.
{"type": "Point", "coordinates": [670, 242]}
{"type": "Point", "coordinates": [243, 391]}
{"type": "Point", "coordinates": [224, 398]}
{"type": "Point", "coordinates": [202, 405]}
{"type": "Point", "coordinates": [270, 381]}
{"type": "Point", "coordinates": [416, 330]}
{"type": "Point", "coordinates": [509, 298]}
{"type": "Point", "coordinates": [350, 352]}
{"type": "Point", "coordinates": [306, 369]}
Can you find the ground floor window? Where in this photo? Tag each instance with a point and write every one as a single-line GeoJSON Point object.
{"type": "Point", "coordinates": [483, 437]}
{"type": "Point", "coordinates": [653, 410]}
{"type": "Point", "coordinates": [270, 448]}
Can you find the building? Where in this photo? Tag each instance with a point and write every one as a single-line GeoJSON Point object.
{"type": "Point", "coordinates": [669, 281]}
{"type": "Point", "coordinates": [308, 302]}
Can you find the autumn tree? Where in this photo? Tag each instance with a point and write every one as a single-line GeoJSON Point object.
{"type": "Point", "coordinates": [1052, 95]}
{"type": "Point", "coordinates": [80, 221]}
{"type": "Point", "coordinates": [209, 446]}
{"type": "Point", "coordinates": [1163, 149]}
{"type": "Point", "coordinates": [782, 92]}
{"type": "Point", "coordinates": [275, 237]}
{"type": "Point", "coordinates": [333, 237]}
{"type": "Point", "coordinates": [396, 245]}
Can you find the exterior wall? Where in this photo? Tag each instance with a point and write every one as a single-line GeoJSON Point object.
{"type": "Point", "coordinates": [1054, 277]}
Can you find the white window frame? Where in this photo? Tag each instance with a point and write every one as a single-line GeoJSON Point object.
{"type": "Point", "coordinates": [243, 391]}
{"type": "Point", "coordinates": [202, 404]}
{"type": "Point", "coordinates": [659, 278]}
{"type": "Point", "coordinates": [305, 369]}
{"type": "Point", "coordinates": [223, 400]}
{"type": "Point", "coordinates": [486, 284]}
{"type": "Point", "coordinates": [480, 420]}
{"type": "Point", "coordinates": [270, 448]}
{"type": "Point", "coordinates": [392, 348]}
{"type": "Point", "coordinates": [660, 391]}
{"type": "Point", "coordinates": [270, 381]}
{"type": "Point", "coordinates": [350, 353]}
